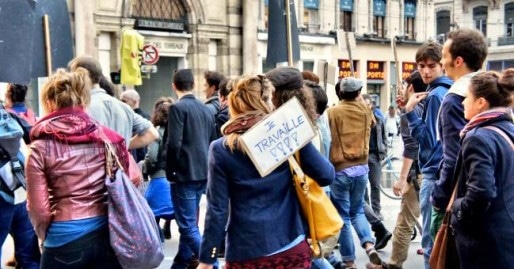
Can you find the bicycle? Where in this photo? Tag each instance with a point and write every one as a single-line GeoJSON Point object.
{"type": "Point", "coordinates": [391, 166]}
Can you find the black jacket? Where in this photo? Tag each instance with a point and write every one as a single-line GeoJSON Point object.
{"type": "Point", "coordinates": [189, 133]}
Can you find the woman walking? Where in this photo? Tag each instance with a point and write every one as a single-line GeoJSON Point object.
{"type": "Point", "coordinates": [65, 171]}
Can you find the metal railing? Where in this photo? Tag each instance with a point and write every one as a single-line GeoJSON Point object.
{"type": "Point", "coordinates": [506, 40]}
{"type": "Point", "coordinates": [172, 11]}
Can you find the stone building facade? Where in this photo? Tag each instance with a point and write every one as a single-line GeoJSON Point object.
{"type": "Point", "coordinates": [230, 36]}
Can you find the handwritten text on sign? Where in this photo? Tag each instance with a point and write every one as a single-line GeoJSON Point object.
{"type": "Point", "coordinates": [270, 142]}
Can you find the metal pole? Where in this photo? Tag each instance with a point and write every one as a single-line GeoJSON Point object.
{"type": "Point", "coordinates": [48, 48]}
{"type": "Point", "coordinates": [289, 35]}
{"type": "Point", "coordinates": [350, 58]}
{"type": "Point", "coordinates": [397, 63]}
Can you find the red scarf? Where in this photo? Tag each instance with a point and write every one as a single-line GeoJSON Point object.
{"type": "Point", "coordinates": [72, 125]}
{"type": "Point", "coordinates": [485, 116]}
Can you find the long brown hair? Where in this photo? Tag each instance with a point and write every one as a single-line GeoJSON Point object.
{"type": "Point", "coordinates": [251, 93]}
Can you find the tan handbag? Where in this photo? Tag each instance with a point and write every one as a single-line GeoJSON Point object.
{"type": "Point", "coordinates": [322, 217]}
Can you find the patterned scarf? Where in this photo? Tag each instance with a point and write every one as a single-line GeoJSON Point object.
{"type": "Point", "coordinates": [242, 123]}
{"type": "Point", "coordinates": [485, 116]}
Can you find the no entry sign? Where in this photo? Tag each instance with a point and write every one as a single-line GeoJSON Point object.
{"type": "Point", "coordinates": [150, 54]}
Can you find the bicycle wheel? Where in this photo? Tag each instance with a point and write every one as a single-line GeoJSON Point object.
{"type": "Point", "coordinates": [390, 174]}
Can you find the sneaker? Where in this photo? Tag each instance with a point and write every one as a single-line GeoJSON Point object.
{"type": "Point", "coordinates": [383, 239]}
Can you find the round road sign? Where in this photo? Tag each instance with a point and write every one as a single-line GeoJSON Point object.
{"type": "Point", "coordinates": [150, 54]}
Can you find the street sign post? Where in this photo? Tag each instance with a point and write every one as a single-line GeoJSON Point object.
{"type": "Point", "coordinates": [150, 54]}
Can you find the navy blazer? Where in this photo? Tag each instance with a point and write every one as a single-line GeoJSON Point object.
{"type": "Point", "coordinates": [483, 211]}
{"type": "Point", "coordinates": [260, 214]}
{"type": "Point", "coordinates": [189, 133]}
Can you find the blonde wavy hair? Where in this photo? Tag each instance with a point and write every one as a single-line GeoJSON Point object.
{"type": "Point", "coordinates": [67, 89]}
{"type": "Point", "coordinates": [250, 93]}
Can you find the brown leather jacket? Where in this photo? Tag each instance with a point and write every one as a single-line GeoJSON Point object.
{"type": "Point", "coordinates": [65, 182]}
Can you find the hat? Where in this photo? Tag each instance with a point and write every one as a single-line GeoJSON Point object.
{"type": "Point", "coordinates": [350, 84]}
{"type": "Point", "coordinates": [285, 78]}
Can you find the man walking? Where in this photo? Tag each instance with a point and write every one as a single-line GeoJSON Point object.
{"type": "Point", "coordinates": [189, 133]}
{"type": "Point", "coordinates": [408, 184]}
{"type": "Point", "coordinates": [464, 53]}
{"type": "Point", "coordinates": [350, 125]}
{"type": "Point", "coordinates": [423, 129]}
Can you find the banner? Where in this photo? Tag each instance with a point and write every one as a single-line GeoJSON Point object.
{"type": "Point", "coordinates": [131, 47]}
{"type": "Point", "coordinates": [410, 9]}
{"type": "Point", "coordinates": [271, 141]}
{"type": "Point", "coordinates": [346, 5]}
{"type": "Point", "coordinates": [311, 4]}
{"type": "Point", "coordinates": [277, 34]}
{"type": "Point", "coordinates": [379, 8]}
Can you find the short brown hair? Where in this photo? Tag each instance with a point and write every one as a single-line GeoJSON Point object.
{"type": "Point", "coordinates": [309, 75]}
{"type": "Point", "coordinates": [67, 89]}
{"type": "Point", "coordinates": [89, 63]}
{"type": "Point", "coordinates": [429, 50]}
{"type": "Point", "coordinates": [470, 45]}
{"type": "Point", "coordinates": [213, 78]}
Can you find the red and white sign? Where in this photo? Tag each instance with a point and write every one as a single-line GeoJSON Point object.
{"type": "Point", "coordinates": [150, 54]}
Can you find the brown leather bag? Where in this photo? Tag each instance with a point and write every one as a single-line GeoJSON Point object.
{"type": "Point", "coordinates": [444, 252]}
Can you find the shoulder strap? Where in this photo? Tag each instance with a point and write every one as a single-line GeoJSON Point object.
{"type": "Point", "coordinates": [502, 133]}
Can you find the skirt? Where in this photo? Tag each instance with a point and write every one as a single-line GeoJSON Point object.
{"type": "Point", "coordinates": [158, 195]}
{"type": "Point", "coordinates": [298, 257]}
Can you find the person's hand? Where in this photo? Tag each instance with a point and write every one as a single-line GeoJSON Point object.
{"type": "Point", "coordinates": [205, 266]}
{"type": "Point", "coordinates": [400, 101]}
{"type": "Point", "coordinates": [414, 100]}
{"type": "Point", "coordinates": [400, 187]}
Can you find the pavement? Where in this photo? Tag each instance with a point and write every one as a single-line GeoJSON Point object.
{"type": "Point", "coordinates": [390, 209]}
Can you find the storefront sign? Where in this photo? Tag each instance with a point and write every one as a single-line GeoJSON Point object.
{"type": "Point", "coordinates": [176, 46]}
{"type": "Point", "coordinates": [407, 68]}
{"type": "Point", "coordinates": [346, 5]}
{"type": "Point", "coordinates": [375, 70]}
{"type": "Point", "coordinates": [159, 25]}
{"type": "Point", "coordinates": [344, 68]}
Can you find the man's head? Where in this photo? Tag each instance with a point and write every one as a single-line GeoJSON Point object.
{"type": "Point", "coordinates": [367, 99]}
{"type": "Point", "coordinates": [183, 80]}
{"type": "Point", "coordinates": [89, 63]}
{"type": "Point", "coordinates": [464, 52]}
{"type": "Point", "coordinates": [428, 58]}
{"type": "Point", "coordinates": [212, 82]}
{"type": "Point", "coordinates": [349, 88]}
{"type": "Point", "coordinates": [131, 98]}
{"type": "Point", "coordinates": [412, 84]}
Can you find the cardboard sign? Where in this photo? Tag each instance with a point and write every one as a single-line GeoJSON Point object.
{"type": "Point", "coordinates": [271, 141]}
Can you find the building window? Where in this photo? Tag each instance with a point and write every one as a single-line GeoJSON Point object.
{"type": "Point", "coordinates": [509, 20]}
{"type": "Point", "coordinates": [213, 55]}
{"type": "Point", "coordinates": [345, 15]}
{"type": "Point", "coordinates": [480, 19]}
{"type": "Point", "coordinates": [443, 25]}
{"type": "Point", "coordinates": [311, 16]}
{"type": "Point", "coordinates": [379, 13]}
{"type": "Point", "coordinates": [409, 14]}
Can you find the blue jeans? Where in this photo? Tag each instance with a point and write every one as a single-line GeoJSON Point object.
{"type": "Point", "coordinates": [186, 200]}
{"type": "Point", "coordinates": [427, 187]}
{"type": "Point", "coordinates": [348, 197]}
{"type": "Point", "coordinates": [14, 219]}
{"type": "Point", "coordinates": [321, 263]}
{"type": "Point", "coordinates": [92, 250]}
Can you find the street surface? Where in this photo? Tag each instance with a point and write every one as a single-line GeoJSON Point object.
{"type": "Point", "coordinates": [390, 210]}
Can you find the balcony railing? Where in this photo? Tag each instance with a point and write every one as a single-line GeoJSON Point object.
{"type": "Point", "coordinates": [157, 14]}
{"type": "Point", "coordinates": [505, 40]}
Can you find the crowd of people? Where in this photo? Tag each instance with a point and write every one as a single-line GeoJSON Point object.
{"type": "Point", "coordinates": [456, 124]}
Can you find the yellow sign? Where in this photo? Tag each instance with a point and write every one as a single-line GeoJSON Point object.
{"type": "Point", "coordinates": [375, 70]}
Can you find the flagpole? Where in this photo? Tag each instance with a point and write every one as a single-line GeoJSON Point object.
{"type": "Point", "coordinates": [289, 38]}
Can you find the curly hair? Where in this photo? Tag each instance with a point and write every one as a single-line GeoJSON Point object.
{"type": "Point", "coordinates": [305, 97]}
{"type": "Point", "coordinates": [160, 111]}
